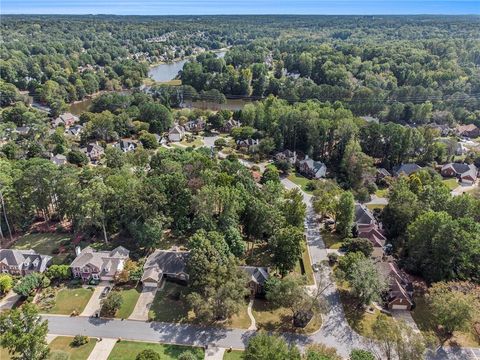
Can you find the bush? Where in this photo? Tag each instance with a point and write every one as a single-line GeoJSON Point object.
{"type": "Point", "coordinates": [28, 284]}
{"type": "Point", "coordinates": [332, 258]}
{"type": "Point", "coordinates": [220, 143]}
{"type": "Point", "coordinates": [111, 304]}
{"type": "Point", "coordinates": [187, 355]}
{"type": "Point", "coordinates": [148, 355]}
{"type": "Point", "coordinates": [358, 354]}
{"type": "Point", "coordinates": [80, 340]}
{"type": "Point", "coordinates": [58, 272]}
{"type": "Point", "coordinates": [6, 283]}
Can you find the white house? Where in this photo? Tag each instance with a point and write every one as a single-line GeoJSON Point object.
{"type": "Point", "coordinates": [177, 133]}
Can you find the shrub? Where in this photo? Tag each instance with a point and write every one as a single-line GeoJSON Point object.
{"type": "Point", "coordinates": [187, 355]}
{"type": "Point", "coordinates": [358, 244]}
{"type": "Point", "coordinates": [80, 340]}
{"type": "Point", "coordinates": [332, 258]}
{"type": "Point", "coordinates": [58, 272]}
{"type": "Point", "coordinates": [148, 354]}
{"type": "Point", "coordinates": [111, 304]}
{"type": "Point", "coordinates": [6, 283]}
{"type": "Point", "coordinates": [358, 354]}
{"type": "Point", "coordinates": [28, 284]}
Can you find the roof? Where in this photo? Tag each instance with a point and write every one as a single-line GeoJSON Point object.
{"type": "Point", "coordinates": [24, 259]}
{"type": "Point", "coordinates": [466, 128]}
{"type": "Point", "coordinates": [165, 262]}
{"type": "Point", "coordinates": [259, 275]}
{"type": "Point", "coordinates": [461, 168]}
{"type": "Point", "coordinates": [312, 164]}
{"type": "Point", "coordinates": [363, 216]}
{"type": "Point", "coordinates": [384, 172]}
{"type": "Point", "coordinates": [100, 259]}
{"type": "Point", "coordinates": [406, 169]}
{"type": "Point", "coordinates": [177, 129]}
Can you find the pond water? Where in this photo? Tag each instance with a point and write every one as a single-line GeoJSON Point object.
{"type": "Point", "coordinates": [169, 71]}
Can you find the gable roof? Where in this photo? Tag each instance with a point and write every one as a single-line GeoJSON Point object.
{"type": "Point", "coordinates": [165, 262]}
{"type": "Point", "coordinates": [99, 259]}
{"type": "Point", "coordinates": [406, 169]}
{"type": "Point", "coordinates": [24, 259]}
{"type": "Point", "coordinates": [363, 216]}
{"type": "Point", "coordinates": [259, 275]}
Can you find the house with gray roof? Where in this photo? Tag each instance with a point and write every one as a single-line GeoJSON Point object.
{"type": "Point", "coordinates": [165, 264]}
{"type": "Point", "coordinates": [22, 262]}
{"type": "Point", "coordinates": [125, 145]}
{"type": "Point", "coordinates": [99, 265]}
{"type": "Point", "coordinates": [466, 173]}
{"type": "Point", "coordinates": [406, 169]}
{"type": "Point", "coordinates": [257, 277]}
{"type": "Point", "coordinates": [311, 168]}
{"type": "Point", "coordinates": [58, 159]}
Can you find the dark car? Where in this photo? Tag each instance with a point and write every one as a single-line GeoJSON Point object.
{"type": "Point", "coordinates": [105, 292]}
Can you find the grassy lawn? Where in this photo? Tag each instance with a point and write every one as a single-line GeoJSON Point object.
{"type": "Point", "coordinates": [304, 267]}
{"type": "Point", "coordinates": [382, 192]}
{"type": "Point", "coordinates": [451, 183]}
{"type": "Point", "coordinates": [375, 206]}
{"type": "Point", "coordinates": [358, 319]}
{"type": "Point", "coordinates": [280, 319]}
{"type": "Point", "coordinates": [128, 350]}
{"type": "Point", "coordinates": [300, 180]}
{"type": "Point", "coordinates": [130, 297]}
{"type": "Point", "coordinates": [241, 320]}
{"type": "Point", "coordinates": [331, 239]}
{"type": "Point", "coordinates": [422, 316]}
{"type": "Point", "coordinates": [69, 299]}
{"type": "Point", "coordinates": [233, 355]}
{"type": "Point", "coordinates": [168, 305]}
{"type": "Point", "coordinates": [62, 344]}
{"type": "Point", "coordinates": [43, 244]}
{"type": "Point", "coordinates": [197, 141]}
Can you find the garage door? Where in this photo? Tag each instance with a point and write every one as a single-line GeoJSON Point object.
{"type": "Point", "coordinates": [399, 307]}
{"type": "Point", "coordinates": [150, 284]}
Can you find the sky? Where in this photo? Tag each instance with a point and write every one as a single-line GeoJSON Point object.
{"type": "Point", "coordinates": [215, 7]}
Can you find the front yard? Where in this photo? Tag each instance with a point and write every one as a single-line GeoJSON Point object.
{"type": "Point", "coordinates": [130, 296]}
{"type": "Point", "coordinates": [233, 355]}
{"type": "Point", "coordinates": [269, 318]}
{"type": "Point", "coordinates": [45, 244]}
{"type": "Point", "coordinates": [128, 350]}
{"type": "Point", "coordinates": [331, 239]}
{"type": "Point", "coordinates": [168, 305]}
{"type": "Point", "coordinates": [62, 344]}
{"type": "Point", "coordinates": [451, 183]}
{"type": "Point", "coordinates": [299, 180]}
{"type": "Point", "coordinates": [64, 300]}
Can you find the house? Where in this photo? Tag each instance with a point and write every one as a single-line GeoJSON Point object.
{"type": "Point", "coordinates": [406, 169]}
{"type": "Point", "coordinates": [165, 264]}
{"type": "Point", "coordinates": [257, 277]}
{"type": "Point", "coordinates": [74, 130]}
{"type": "Point", "coordinates": [381, 174]}
{"type": "Point", "coordinates": [443, 130]}
{"type": "Point", "coordinates": [125, 145]}
{"type": "Point", "coordinates": [311, 168]}
{"type": "Point", "coordinates": [287, 155]}
{"type": "Point", "coordinates": [98, 265]}
{"type": "Point", "coordinates": [177, 133]}
{"type": "Point", "coordinates": [195, 126]}
{"type": "Point", "coordinates": [466, 173]}
{"type": "Point", "coordinates": [229, 126]}
{"type": "Point", "coordinates": [22, 130]}
{"type": "Point", "coordinates": [22, 262]}
{"type": "Point", "coordinates": [247, 143]}
{"type": "Point", "coordinates": [66, 120]}
{"type": "Point", "coordinates": [93, 151]}
{"type": "Point", "coordinates": [58, 159]}
{"type": "Point", "coordinates": [469, 131]}
{"type": "Point", "coordinates": [367, 226]}
{"type": "Point", "coordinates": [400, 292]}
{"type": "Point", "coordinates": [160, 139]}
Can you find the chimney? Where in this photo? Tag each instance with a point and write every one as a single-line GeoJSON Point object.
{"type": "Point", "coordinates": [306, 157]}
{"type": "Point", "coordinates": [78, 250]}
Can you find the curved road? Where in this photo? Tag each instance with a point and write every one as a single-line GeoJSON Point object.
{"type": "Point", "coordinates": [335, 331]}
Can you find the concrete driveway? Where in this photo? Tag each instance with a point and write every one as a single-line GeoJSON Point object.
{"type": "Point", "coordinates": [144, 302]}
{"type": "Point", "coordinates": [94, 303]}
{"type": "Point", "coordinates": [9, 300]}
{"type": "Point", "coordinates": [406, 317]}
{"type": "Point", "coordinates": [102, 349]}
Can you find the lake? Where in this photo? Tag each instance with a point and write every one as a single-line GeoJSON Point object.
{"type": "Point", "coordinates": [169, 71]}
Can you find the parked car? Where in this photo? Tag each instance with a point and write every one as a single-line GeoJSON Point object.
{"type": "Point", "coordinates": [105, 292]}
{"type": "Point", "coordinates": [315, 267]}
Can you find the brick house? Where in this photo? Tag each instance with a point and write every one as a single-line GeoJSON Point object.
{"type": "Point", "coordinates": [22, 262]}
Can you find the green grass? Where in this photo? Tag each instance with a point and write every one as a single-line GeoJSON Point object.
{"type": "Point", "coordinates": [451, 183]}
{"type": "Point", "coordinates": [62, 343]}
{"type": "Point", "coordinates": [197, 141]}
{"type": "Point", "coordinates": [128, 350]}
{"type": "Point", "coordinates": [241, 320]}
{"type": "Point", "coordinates": [423, 317]}
{"type": "Point", "coordinates": [168, 305]}
{"type": "Point", "coordinates": [269, 318]}
{"type": "Point", "coordinates": [307, 267]}
{"type": "Point", "coordinates": [233, 355]}
{"type": "Point", "coordinates": [375, 206]}
{"type": "Point", "coordinates": [331, 239]}
{"type": "Point", "coordinates": [44, 244]}
{"type": "Point", "coordinates": [382, 192]}
{"type": "Point", "coordinates": [68, 300]}
{"type": "Point", "coordinates": [299, 180]}
{"type": "Point", "coordinates": [130, 297]}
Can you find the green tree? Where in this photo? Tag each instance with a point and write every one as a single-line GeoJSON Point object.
{"type": "Point", "coordinates": [111, 304]}
{"type": "Point", "coordinates": [23, 333]}
{"type": "Point", "coordinates": [115, 158]}
{"type": "Point", "coordinates": [321, 352]}
{"type": "Point", "coordinates": [6, 283]}
{"type": "Point", "coordinates": [345, 213]}
{"type": "Point", "coordinates": [29, 283]}
{"type": "Point", "coordinates": [77, 158]}
{"type": "Point", "coordinates": [366, 282]}
{"type": "Point", "coordinates": [263, 346]}
{"type": "Point", "coordinates": [149, 141]}
{"type": "Point", "coordinates": [286, 246]}
{"type": "Point", "coordinates": [187, 355]}
{"type": "Point", "coordinates": [358, 244]}
{"type": "Point", "coordinates": [58, 272]}
{"type": "Point", "coordinates": [270, 174]}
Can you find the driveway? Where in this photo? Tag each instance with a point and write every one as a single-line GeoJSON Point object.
{"type": "Point", "coordinates": [145, 300]}
{"type": "Point", "coordinates": [94, 303]}
{"type": "Point", "coordinates": [406, 317]}
{"type": "Point", "coordinates": [9, 300]}
{"type": "Point", "coordinates": [214, 353]}
{"type": "Point", "coordinates": [102, 349]}
{"type": "Point", "coordinates": [464, 188]}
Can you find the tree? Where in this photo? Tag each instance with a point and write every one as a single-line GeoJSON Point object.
{"type": "Point", "coordinates": [77, 158]}
{"type": "Point", "coordinates": [111, 304]}
{"type": "Point", "coordinates": [326, 197]}
{"type": "Point", "coordinates": [321, 352]}
{"type": "Point", "coordinates": [6, 283]}
{"type": "Point", "coordinates": [29, 283]}
{"type": "Point", "coordinates": [293, 208]}
{"type": "Point", "coordinates": [115, 158]}
{"type": "Point", "coordinates": [148, 354]}
{"type": "Point", "coordinates": [358, 244]}
{"type": "Point", "coordinates": [149, 141]}
{"type": "Point", "coordinates": [270, 174]}
{"type": "Point", "coordinates": [452, 309]}
{"type": "Point", "coordinates": [23, 333]}
{"type": "Point", "coordinates": [263, 346]}
{"type": "Point", "coordinates": [366, 282]}
{"type": "Point", "coordinates": [286, 247]}
{"type": "Point", "coordinates": [359, 354]}
{"type": "Point", "coordinates": [345, 214]}
{"type": "Point", "coordinates": [397, 340]}
{"type": "Point", "coordinates": [58, 272]}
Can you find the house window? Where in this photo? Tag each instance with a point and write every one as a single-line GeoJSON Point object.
{"type": "Point", "coordinates": [95, 276]}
